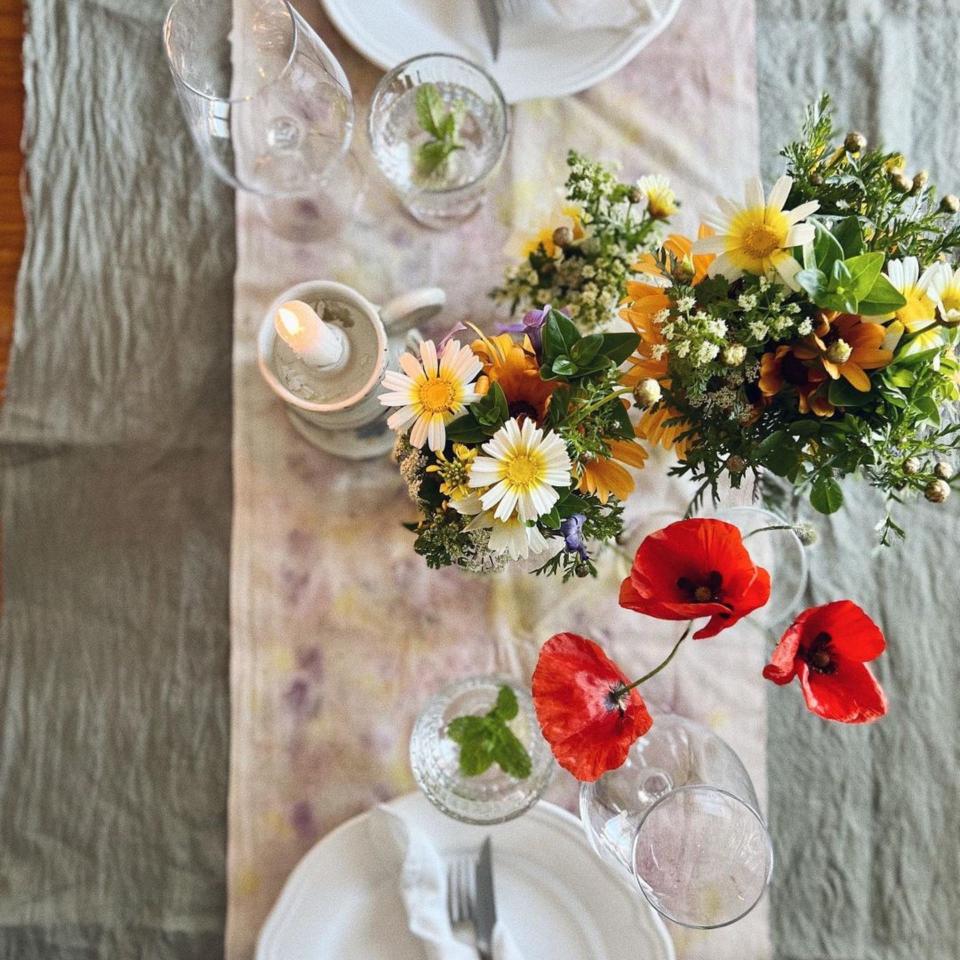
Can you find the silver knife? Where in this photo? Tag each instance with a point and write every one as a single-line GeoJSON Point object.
{"type": "Point", "coordinates": [490, 15]}
{"type": "Point", "coordinates": [485, 907]}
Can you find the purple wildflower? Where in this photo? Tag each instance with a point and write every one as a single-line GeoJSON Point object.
{"type": "Point", "coordinates": [572, 532]}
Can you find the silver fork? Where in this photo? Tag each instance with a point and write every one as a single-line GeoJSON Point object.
{"type": "Point", "coordinates": [461, 884]}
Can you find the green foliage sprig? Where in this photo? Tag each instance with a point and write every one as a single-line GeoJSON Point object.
{"type": "Point", "coordinates": [487, 739]}
{"type": "Point", "coordinates": [442, 124]}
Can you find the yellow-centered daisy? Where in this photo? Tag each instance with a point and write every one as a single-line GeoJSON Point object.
{"type": "Point", "coordinates": [431, 391]}
{"type": "Point", "coordinates": [757, 236]}
{"type": "Point", "coordinates": [512, 537]}
{"type": "Point", "coordinates": [920, 310]}
{"type": "Point", "coordinates": [661, 200]}
{"type": "Point", "coordinates": [521, 471]}
{"type": "Point", "coordinates": [944, 290]}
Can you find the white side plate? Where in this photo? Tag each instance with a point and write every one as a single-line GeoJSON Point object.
{"type": "Point", "coordinates": [541, 54]}
{"type": "Point", "coordinates": [558, 899]}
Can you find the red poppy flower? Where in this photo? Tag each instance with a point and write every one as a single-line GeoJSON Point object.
{"type": "Point", "coordinates": [585, 714]}
{"type": "Point", "coordinates": [695, 568]}
{"type": "Point", "coordinates": [826, 647]}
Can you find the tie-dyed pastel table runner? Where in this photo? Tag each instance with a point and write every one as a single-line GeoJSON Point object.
{"type": "Point", "coordinates": [339, 631]}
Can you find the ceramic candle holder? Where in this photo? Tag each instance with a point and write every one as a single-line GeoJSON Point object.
{"type": "Point", "coordinates": [336, 409]}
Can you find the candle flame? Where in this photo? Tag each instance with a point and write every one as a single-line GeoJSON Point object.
{"type": "Point", "coordinates": [290, 321]}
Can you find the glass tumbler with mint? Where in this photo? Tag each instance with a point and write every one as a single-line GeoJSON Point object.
{"type": "Point", "coordinates": [438, 127]}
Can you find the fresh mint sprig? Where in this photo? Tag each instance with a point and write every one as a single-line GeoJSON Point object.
{"type": "Point", "coordinates": [442, 124]}
{"type": "Point", "coordinates": [485, 740]}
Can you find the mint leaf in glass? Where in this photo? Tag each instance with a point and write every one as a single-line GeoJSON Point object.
{"type": "Point", "coordinates": [486, 739]}
{"type": "Point", "coordinates": [441, 124]}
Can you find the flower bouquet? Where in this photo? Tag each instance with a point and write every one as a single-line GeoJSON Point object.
{"type": "Point", "coordinates": [513, 446]}
{"type": "Point", "coordinates": [583, 256]}
{"type": "Point", "coordinates": [811, 331]}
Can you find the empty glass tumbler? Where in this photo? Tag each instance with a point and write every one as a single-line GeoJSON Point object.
{"type": "Point", "coordinates": [681, 816]}
{"type": "Point", "coordinates": [440, 161]}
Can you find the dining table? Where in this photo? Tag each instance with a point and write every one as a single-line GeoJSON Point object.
{"type": "Point", "coordinates": [215, 638]}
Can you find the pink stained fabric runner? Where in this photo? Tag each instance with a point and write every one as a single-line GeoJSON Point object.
{"type": "Point", "coordinates": [339, 631]}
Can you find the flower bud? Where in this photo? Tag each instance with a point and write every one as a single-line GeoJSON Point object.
{"type": "Point", "coordinates": [581, 570]}
{"type": "Point", "coordinates": [937, 491]}
{"type": "Point", "coordinates": [736, 464]}
{"type": "Point", "coordinates": [636, 195]}
{"type": "Point", "coordinates": [910, 466]}
{"type": "Point", "coordinates": [734, 354]}
{"type": "Point", "coordinates": [950, 203]}
{"type": "Point", "coordinates": [854, 142]}
{"type": "Point", "coordinates": [647, 392]}
{"type": "Point", "coordinates": [563, 237]}
{"type": "Point", "coordinates": [816, 179]}
{"type": "Point", "coordinates": [839, 352]}
{"type": "Point", "coordinates": [920, 179]}
{"type": "Point", "coordinates": [806, 534]}
{"type": "Point", "coordinates": [900, 181]}
{"type": "Point", "coordinates": [943, 470]}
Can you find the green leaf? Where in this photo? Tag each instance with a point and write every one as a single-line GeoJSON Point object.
{"type": "Point", "coordinates": [863, 271]}
{"type": "Point", "coordinates": [559, 336]}
{"type": "Point", "coordinates": [432, 155]}
{"type": "Point", "coordinates": [826, 248]}
{"type": "Point", "coordinates": [466, 430]}
{"type": "Point", "coordinates": [804, 428]}
{"type": "Point", "coordinates": [551, 520]}
{"type": "Point", "coordinates": [883, 297]}
{"type": "Point", "coordinates": [564, 367]}
{"type": "Point", "coordinates": [929, 408]}
{"type": "Point", "coordinates": [843, 394]}
{"type": "Point", "coordinates": [585, 349]}
{"type": "Point", "coordinates": [899, 377]}
{"type": "Point", "coordinates": [779, 452]}
{"type": "Point", "coordinates": [814, 282]}
{"type": "Point", "coordinates": [476, 757]}
{"type": "Point", "coordinates": [511, 754]}
{"type": "Point", "coordinates": [492, 410]}
{"type": "Point", "coordinates": [826, 495]}
{"type": "Point", "coordinates": [849, 235]}
{"type": "Point", "coordinates": [506, 707]}
{"type": "Point", "coordinates": [619, 346]}
{"type": "Point", "coordinates": [429, 107]}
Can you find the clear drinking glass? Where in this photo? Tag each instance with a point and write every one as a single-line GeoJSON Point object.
{"type": "Point", "coordinates": [779, 551]}
{"type": "Point", "coordinates": [268, 105]}
{"type": "Point", "coordinates": [456, 189]}
{"type": "Point", "coordinates": [494, 796]}
{"type": "Point", "coordinates": [681, 817]}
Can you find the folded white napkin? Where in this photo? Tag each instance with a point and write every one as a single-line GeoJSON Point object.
{"type": "Point", "coordinates": [616, 14]}
{"type": "Point", "coordinates": [423, 882]}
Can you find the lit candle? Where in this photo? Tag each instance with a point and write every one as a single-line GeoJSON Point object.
{"type": "Point", "coordinates": [316, 343]}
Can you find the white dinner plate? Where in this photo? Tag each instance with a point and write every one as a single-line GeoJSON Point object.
{"type": "Point", "coordinates": [558, 899]}
{"type": "Point", "coordinates": [541, 54]}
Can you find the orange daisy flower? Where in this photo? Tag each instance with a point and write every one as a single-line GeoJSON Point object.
{"type": "Point", "coordinates": [653, 425]}
{"type": "Point", "coordinates": [782, 368]}
{"type": "Point", "coordinates": [515, 367]}
{"type": "Point", "coordinates": [846, 346]}
{"type": "Point", "coordinates": [605, 475]}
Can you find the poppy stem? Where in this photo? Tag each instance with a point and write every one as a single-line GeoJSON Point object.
{"type": "Point", "coordinates": [657, 669]}
{"type": "Point", "coordinates": [776, 526]}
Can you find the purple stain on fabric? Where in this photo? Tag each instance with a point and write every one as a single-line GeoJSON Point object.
{"type": "Point", "coordinates": [302, 819]}
{"type": "Point", "coordinates": [310, 660]}
{"type": "Point", "coordinates": [572, 532]}
{"type": "Point", "coordinates": [295, 696]}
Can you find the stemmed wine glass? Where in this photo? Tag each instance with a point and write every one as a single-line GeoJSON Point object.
{"type": "Point", "coordinates": [268, 105]}
{"type": "Point", "coordinates": [682, 818]}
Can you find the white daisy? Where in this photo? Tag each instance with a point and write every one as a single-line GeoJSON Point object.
{"type": "Point", "coordinates": [944, 290]}
{"type": "Point", "coordinates": [920, 309]}
{"type": "Point", "coordinates": [431, 392]}
{"type": "Point", "coordinates": [757, 236]}
{"type": "Point", "coordinates": [521, 471]}
{"type": "Point", "coordinates": [661, 200]}
{"type": "Point", "coordinates": [512, 537]}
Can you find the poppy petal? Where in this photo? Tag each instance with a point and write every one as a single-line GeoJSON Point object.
{"type": "Point", "coordinates": [854, 635]}
{"type": "Point", "coordinates": [572, 685]}
{"type": "Point", "coordinates": [850, 694]}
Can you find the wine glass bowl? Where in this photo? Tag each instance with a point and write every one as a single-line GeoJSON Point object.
{"type": "Point", "coordinates": [681, 817]}
{"type": "Point", "coordinates": [267, 103]}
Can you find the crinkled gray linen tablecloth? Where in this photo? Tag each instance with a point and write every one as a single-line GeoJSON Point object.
{"type": "Point", "coordinates": [116, 503]}
{"type": "Point", "coordinates": [116, 499]}
{"type": "Point", "coordinates": [866, 821]}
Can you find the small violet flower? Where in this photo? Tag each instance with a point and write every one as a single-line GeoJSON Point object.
{"type": "Point", "coordinates": [572, 532]}
{"type": "Point", "coordinates": [531, 325]}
